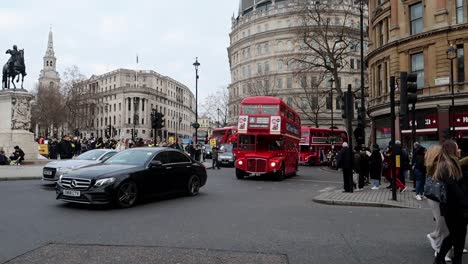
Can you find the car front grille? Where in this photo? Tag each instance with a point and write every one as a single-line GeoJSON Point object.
{"type": "Point", "coordinates": [256, 165]}
{"type": "Point", "coordinates": [76, 183]}
{"type": "Point", "coordinates": [52, 176]}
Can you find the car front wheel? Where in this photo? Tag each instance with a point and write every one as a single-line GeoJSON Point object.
{"type": "Point", "coordinates": [193, 185]}
{"type": "Point", "coordinates": [127, 194]}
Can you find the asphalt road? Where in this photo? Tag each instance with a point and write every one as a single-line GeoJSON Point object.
{"type": "Point", "coordinates": [231, 221]}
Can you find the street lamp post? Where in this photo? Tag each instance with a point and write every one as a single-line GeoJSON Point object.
{"type": "Point", "coordinates": [331, 103]}
{"type": "Point", "coordinates": [196, 64]}
{"type": "Point", "coordinates": [134, 119]}
{"type": "Point", "coordinates": [362, 111]}
{"type": "Point", "coordinates": [451, 55]}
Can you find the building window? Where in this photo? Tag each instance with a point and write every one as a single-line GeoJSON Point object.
{"type": "Point", "coordinates": [280, 66]}
{"type": "Point", "coordinates": [314, 102]}
{"type": "Point", "coordinates": [329, 103]}
{"type": "Point", "coordinates": [379, 79]}
{"type": "Point", "coordinates": [460, 63]}
{"type": "Point", "coordinates": [259, 50]}
{"type": "Point", "coordinates": [259, 68]}
{"type": "Point", "coordinates": [416, 18]}
{"type": "Point", "coordinates": [460, 17]}
{"type": "Point", "coordinates": [417, 66]}
{"type": "Point", "coordinates": [267, 66]}
{"type": "Point", "coordinates": [337, 103]}
{"type": "Point", "coordinates": [280, 83]}
{"type": "Point", "coordinates": [352, 63]}
{"type": "Point", "coordinates": [289, 82]}
{"type": "Point", "coordinates": [129, 120]}
{"type": "Point", "coordinates": [304, 82]}
{"type": "Point", "coordinates": [381, 34]}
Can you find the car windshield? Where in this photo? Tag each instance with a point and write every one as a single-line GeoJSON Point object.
{"type": "Point", "coordinates": [130, 157]}
{"type": "Point", "coordinates": [91, 155]}
{"type": "Point", "coordinates": [226, 148]}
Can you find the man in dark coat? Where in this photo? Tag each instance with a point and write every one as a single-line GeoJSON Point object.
{"type": "Point", "coordinates": [375, 166]}
{"type": "Point", "coordinates": [66, 149]}
{"type": "Point", "coordinates": [345, 162]}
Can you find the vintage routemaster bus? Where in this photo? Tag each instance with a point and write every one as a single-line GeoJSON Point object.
{"type": "Point", "coordinates": [316, 144]}
{"type": "Point", "coordinates": [225, 135]}
{"type": "Point", "coordinates": [268, 138]}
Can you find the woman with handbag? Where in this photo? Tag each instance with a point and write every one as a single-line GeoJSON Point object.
{"type": "Point", "coordinates": [441, 231]}
{"type": "Point", "coordinates": [448, 171]}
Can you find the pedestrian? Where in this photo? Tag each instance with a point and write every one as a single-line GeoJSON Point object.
{"type": "Point", "coordinates": [405, 162]}
{"type": "Point", "coordinates": [364, 166]}
{"type": "Point", "coordinates": [198, 152]}
{"type": "Point", "coordinates": [449, 172]}
{"type": "Point", "coordinates": [440, 231]}
{"type": "Point", "coordinates": [358, 178]}
{"type": "Point", "coordinates": [65, 148]}
{"type": "Point", "coordinates": [419, 170]}
{"type": "Point", "coordinates": [100, 143]}
{"type": "Point", "coordinates": [17, 156]}
{"type": "Point", "coordinates": [345, 162]}
{"type": "Point", "coordinates": [375, 166]}
{"type": "Point", "coordinates": [3, 158]}
{"type": "Point", "coordinates": [388, 159]}
{"type": "Point", "coordinates": [214, 158]}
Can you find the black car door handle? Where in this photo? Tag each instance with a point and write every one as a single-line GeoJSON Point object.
{"type": "Point", "coordinates": [189, 166]}
{"type": "Point", "coordinates": [168, 168]}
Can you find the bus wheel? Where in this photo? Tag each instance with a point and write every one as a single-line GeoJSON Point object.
{"type": "Point", "coordinates": [240, 175]}
{"type": "Point", "coordinates": [279, 175]}
{"type": "Point", "coordinates": [311, 162]}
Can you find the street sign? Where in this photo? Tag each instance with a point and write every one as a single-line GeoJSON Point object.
{"type": "Point", "coordinates": [213, 142]}
{"type": "Point", "coordinates": [196, 125]}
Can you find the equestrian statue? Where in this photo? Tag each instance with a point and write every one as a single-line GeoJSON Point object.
{"type": "Point", "coordinates": [14, 68]}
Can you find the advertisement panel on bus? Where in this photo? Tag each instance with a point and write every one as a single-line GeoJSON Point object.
{"type": "Point", "coordinates": [268, 138]}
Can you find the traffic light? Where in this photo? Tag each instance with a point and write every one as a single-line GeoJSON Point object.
{"type": "Point", "coordinates": [162, 121]}
{"type": "Point", "coordinates": [109, 130]}
{"type": "Point", "coordinates": [408, 91]}
{"type": "Point", "coordinates": [347, 105]}
{"type": "Point", "coordinates": [154, 120]}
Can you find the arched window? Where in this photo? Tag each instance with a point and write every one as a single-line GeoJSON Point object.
{"type": "Point", "coordinates": [50, 64]}
{"type": "Point", "coordinates": [47, 63]}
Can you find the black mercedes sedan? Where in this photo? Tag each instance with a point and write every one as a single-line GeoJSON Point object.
{"type": "Point", "coordinates": [131, 175]}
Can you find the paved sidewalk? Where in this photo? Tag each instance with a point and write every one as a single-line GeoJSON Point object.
{"type": "Point", "coordinates": [372, 198]}
{"type": "Point", "coordinates": [23, 172]}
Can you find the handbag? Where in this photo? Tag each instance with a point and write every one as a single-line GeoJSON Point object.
{"type": "Point", "coordinates": [435, 190]}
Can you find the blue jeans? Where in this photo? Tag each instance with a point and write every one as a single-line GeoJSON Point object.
{"type": "Point", "coordinates": [420, 179]}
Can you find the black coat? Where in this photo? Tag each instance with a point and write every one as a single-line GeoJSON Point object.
{"type": "Point", "coordinates": [375, 165]}
{"type": "Point", "coordinates": [344, 159]}
{"type": "Point", "coordinates": [66, 150]}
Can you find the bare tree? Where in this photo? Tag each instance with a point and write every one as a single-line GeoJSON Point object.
{"type": "Point", "coordinates": [263, 85]}
{"type": "Point", "coordinates": [328, 37]}
{"type": "Point", "coordinates": [47, 111]}
{"type": "Point", "coordinates": [312, 99]}
{"type": "Point", "coordinates": [75, 106]}
{"type": "Point", "coordinates": [218, 100]}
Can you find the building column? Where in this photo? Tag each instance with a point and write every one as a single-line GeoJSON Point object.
{"type": "Point", "coordinates": [443, 114]}
{"type": "Point", "coordinates": [394, 14]}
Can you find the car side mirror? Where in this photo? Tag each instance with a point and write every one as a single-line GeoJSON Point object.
{"type": "Point", "coordinates": [156, 164]}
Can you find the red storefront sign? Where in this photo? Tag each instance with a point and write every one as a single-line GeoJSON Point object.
{"type": "Point", "coordinates": [461, 120]}
{"type": "Point", "coordinates": [429, 122]}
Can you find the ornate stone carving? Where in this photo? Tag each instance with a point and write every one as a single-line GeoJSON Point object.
{"type": "Point", "coordinates": [21, 114]}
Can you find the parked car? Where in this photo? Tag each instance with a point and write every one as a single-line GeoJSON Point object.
{"type": "Point", "coordinates": [133, 174]}
{"type": "Point", "coordinates": [54, 169]}
{"type": "Point", "coordinates": [226, 155]}
{"type": "Point", "coordinates": [207, 152]}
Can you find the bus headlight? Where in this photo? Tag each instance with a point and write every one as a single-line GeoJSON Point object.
{"type": "Point", "coordinates": [240, 162]}
{"type": "Point", "coordinates": [273, 164]}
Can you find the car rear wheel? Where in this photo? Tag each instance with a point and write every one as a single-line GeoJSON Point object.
{"type": "Point", "coordinates": [240, 175]}
{"type": "Point", "coordinates": [127, 194]}
{"type": "Point", "coordinates": [193, 185]}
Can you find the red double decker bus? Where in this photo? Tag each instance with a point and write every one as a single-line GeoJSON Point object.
{"type": "Point", "coordinates": [316, 144]}
{"type": "Point", "coordinates": [268, 138]}
{"type": "Point", "coordinates": [225, 135]}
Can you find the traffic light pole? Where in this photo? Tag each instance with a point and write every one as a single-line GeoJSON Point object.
{"type": "Point", "coordinates": [393, 135]}
{"type": "Point", "coordinates": [349, 127]}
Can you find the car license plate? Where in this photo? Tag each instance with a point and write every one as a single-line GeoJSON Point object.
{"type": "Point", "coordinates": [47, 172]}
{"type": "Point", "coordinates": [71, 193]}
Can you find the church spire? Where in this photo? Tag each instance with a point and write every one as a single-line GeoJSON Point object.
{"type": "Point", "coordinates": [50, 45]}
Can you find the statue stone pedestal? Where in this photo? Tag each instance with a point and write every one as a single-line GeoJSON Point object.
{"type": "Point", "coordinates": [15, 122]}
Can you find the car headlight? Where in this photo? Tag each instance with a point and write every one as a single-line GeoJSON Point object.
{"type": "Point", "coordinates": [240, 162]}
{"type": "Point", "coordinates": [273, 164]}
{"type": "Point", "coordinates": [103, 182]}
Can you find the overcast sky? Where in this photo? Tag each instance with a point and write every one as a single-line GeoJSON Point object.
{"type": "Point", "coordinates": [101, 36]}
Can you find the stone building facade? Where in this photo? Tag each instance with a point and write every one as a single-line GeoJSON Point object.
{"type": "Point", "coordinates": [125, 98]}
{"type": "Point", "coordinates": [262, 41]}
{"type": "Point", "coordinates": [415, 36]}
